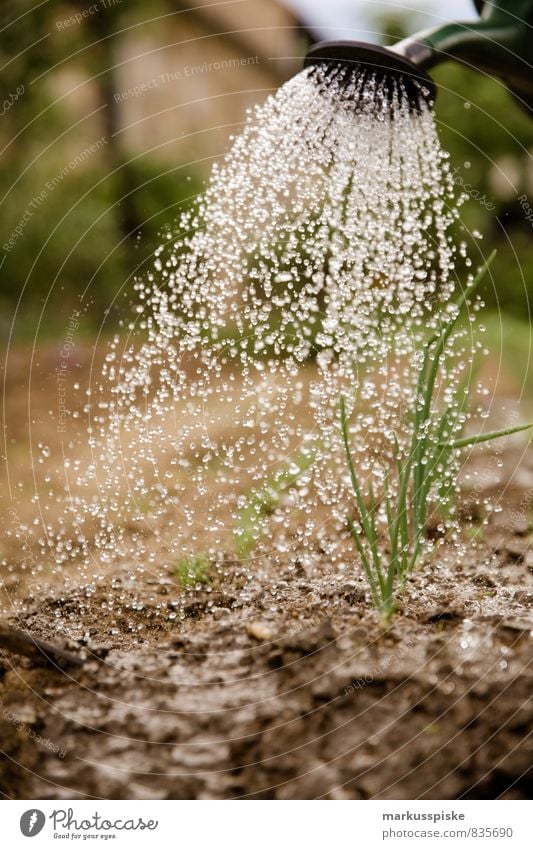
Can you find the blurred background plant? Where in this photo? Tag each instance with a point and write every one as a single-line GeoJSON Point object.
{"type": "Point", "coordinates": [113, 113]}
{"type": "Point", "coordinates": [490, 142]}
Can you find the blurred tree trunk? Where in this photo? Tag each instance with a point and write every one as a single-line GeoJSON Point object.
{"type": "Point", "coordinates": [102, 27]}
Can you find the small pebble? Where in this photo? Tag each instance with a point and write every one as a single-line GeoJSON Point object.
{"type": "Point", "coordinates": [220, 612]}
{"type": "Point", "coordinates": [259, 631]}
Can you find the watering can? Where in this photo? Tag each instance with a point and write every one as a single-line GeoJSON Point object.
{"type": "Point", "coordinates": [499, 44]}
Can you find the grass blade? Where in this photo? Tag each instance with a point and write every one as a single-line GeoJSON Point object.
{"type": "Point", "coordinates": [484, 437]}
{"type": "Point", "coordinates": [366, 563]}
{"type": "Point", "coordinates": [426, 388]}
{"type": "Point", "coordinates": [366, 520]}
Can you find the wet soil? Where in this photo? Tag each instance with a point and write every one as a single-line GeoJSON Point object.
{"type": "Point", "coordinates": [288, 688]}
{"type": "Point", "coordinates": [284, 684]}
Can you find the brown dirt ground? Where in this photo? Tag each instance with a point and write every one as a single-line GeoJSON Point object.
{"type": "Point", "coordinates": [284, 685]}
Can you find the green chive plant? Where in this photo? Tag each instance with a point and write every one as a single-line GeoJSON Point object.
{"type": "Point", "coordinates": [421, 469]}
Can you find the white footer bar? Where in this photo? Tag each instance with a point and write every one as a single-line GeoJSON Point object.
{"type": "Point", "coordinates": [268, 824]}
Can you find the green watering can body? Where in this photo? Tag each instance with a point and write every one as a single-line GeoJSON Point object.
{"type": "Point", "coordinates": [500, 44]}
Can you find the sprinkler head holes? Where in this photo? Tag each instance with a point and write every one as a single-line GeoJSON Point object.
{"type": "Point", "coordinates": [367, 72]}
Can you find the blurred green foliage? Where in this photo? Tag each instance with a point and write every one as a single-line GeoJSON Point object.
{"type": "Point", "coordinates": [490, 141]}
{"type": "Point", "coordinates": [79, 213]}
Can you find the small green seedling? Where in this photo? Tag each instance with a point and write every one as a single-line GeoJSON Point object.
{"type": "Point", "coordinates": [473, 532]}
{"type": "Point", "coordinates": [419, 471]}
{"type": "Point", "coordinates": [261, 502]}
{"type": "Point", "coordinates": [193, 569]}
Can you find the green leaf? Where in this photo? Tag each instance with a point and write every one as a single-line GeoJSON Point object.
{"type": "Point", "coordinates": [484, 437]}
{"type": "Point", "coordinates": [365, 518]}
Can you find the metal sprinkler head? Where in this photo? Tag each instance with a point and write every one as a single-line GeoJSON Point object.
{"type": "Point", "coordinates": [498, 44]}
{"type": "Point", "coordinates": [391, 71]}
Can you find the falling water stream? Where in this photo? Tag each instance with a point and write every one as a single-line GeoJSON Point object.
{"type": "Point", "coordinates": [312, 266]}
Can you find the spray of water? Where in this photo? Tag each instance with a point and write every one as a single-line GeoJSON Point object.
{"type": "Point", "coordinates": [313, 266]}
